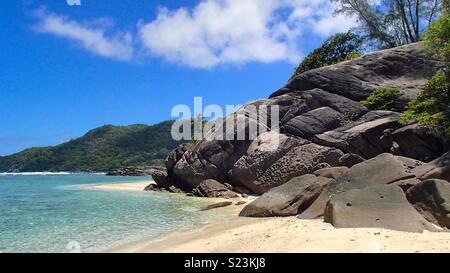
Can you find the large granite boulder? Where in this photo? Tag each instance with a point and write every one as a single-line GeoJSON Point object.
{"type": "Point", "coordinates": [175, 155]}
{"type": "Point", "coordinates": [293, 104]}
{"type": "Point", "coordinates": [382, 206]}
{"type": "Point", "coordinates": [363, 137]}
{"type": "Point", "coordinates": [304, 159]}
{"type": "Point", "coordinates": [438, 168]}
{"type": "Point", "coordinates": [420, 142]}
{"type": "Point", "coordinates": [383, 169]}
{"type": "Point", "coordinates": [320, 110]}
{"type": "Point", "coordinates": [212, 188]}
{"type": "Point", "coordinates": [288, 199]}
{"type": "Point", "coordinates": [406, 67]}
{"type": "Point", "coordinates": [160, 177]}
{"type": "Point", "coordinates": [214, 155]}
{"type": "Point", "coordinates": [432, 199]}
{"type": "Point", "coordinates": [267, 149]}
{"type": "Point", "coordinates": [314, 122]}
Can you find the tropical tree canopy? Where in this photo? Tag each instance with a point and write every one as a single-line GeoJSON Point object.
{"type": "Point", "coordinates": [390, 23]}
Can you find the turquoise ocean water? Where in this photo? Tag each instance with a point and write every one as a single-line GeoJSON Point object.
{"type": "Point", "coordinates": [59, 213]}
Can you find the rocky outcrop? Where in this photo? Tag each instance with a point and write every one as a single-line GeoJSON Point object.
{"type": "Point", "coordinates": [382, 206]}
{"type": "Point", "coordinates": [438, 168]}
{"type": "Point", "coordinates": [322, 124]}
{"type": "Point", "coordinates": [405, 67]}
{"type": "Point", "coordinates": [432, 199]}
{"type": "Point", "coordinates": [288, 199]}
{"type": "Point", "coordinates": [135, 171]}
{"type": "Point", "coordinates": [381, 170]}
{"type": "Point", "coordinates": [212, 188]}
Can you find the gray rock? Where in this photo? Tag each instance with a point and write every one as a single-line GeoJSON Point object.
{"type": "Point", "coordinates": [438, 168]}
{"type": "Point", "coordinates": [406, 184]}
{"type": "Point", "coordinates": [348, 160]}
{"type": "Point", "coordinates": [151, 187]}
{"type": "Point", "coordinates": [383, 169]}
{"type": "Point", "coordinates": [420, 142]}
{"type": "Point", "coordinates": [300, 160]}
{"type": "Point", "coordinates": [242, 190]}
{"type": "Point", "coordinates": [309, 104]}
{"type": "Point", "coordinates": [134, 171]}
{"type": "Point", "coordinates": [288, 199]}
{"type": "Point", "coordinates": [174, 156]}
{"type": "Point", "coordinates": [314, 122]}
{"type": "Point", "coordinates": [363, 137]}
{"type": "Point", "coordinates": [333, 172]}
{"type": "Point", "coordinates": [214, 156]}
{"type": "Point", "coordinates": [382, 206]}
{"type": "Point", "coordinates": [267, 149]}
{"type": "Point", "coordinates": [212, 188]}
{"type": "Point", "coordinates": [160, 177]}
{"type": "Point", "coordinates": [218, 205]}
{"type": "Point", "coordinates": [405, 67]}
{"type": "Point", "coordinates": [431, 198]}
{"type": "Point", "coordinates": [409, 163]}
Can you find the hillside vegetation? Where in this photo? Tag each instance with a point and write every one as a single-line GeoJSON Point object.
{"type": "Point", "coordinates": [101, 149]}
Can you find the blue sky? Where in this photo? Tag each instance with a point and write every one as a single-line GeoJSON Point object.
{"type": "Point", "coordinates": [67, 69]}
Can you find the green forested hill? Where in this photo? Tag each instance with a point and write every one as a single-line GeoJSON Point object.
{"type": "Point", "coordinates": [101, 149]}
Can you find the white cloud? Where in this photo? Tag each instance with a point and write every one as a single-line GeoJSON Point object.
{"type": "Point", "coordinates": [212, 33]}
{"type": "Point", "coordinates": [90, 36]}
{"type": "Point", "coordinates": [228, 31]}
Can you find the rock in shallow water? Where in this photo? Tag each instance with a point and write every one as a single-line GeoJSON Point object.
{"type": "Point", "coordinates": [218, 205]}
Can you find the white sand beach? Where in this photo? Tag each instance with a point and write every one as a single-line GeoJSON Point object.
{"type": "Point", "coordinates": [289, 234]}
{"type": "Point", "coordinates": [130, 186]}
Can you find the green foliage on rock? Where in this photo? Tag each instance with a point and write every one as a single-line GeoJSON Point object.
{"type": "Point", "coordinates": [431, 105]}
{"type": "Point", "coordinates": [102, 149]}
{"type": "Point", "coordinates": [383, 98]}
{"type": "Point", "coordinates": [337, 48]}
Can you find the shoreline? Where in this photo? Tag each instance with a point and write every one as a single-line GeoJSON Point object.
{"type": "Point", "coordinates": [286, 235]}
{"type": "Point", "coordinates": [125, 186]}
{"type": "Point", "coordinates": [234, 234]}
